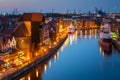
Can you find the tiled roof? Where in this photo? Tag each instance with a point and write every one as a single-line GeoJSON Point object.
{"type": "Point", "coordinates": [21, 31]}
{"type": "Point", "coordinates": [37, 17]}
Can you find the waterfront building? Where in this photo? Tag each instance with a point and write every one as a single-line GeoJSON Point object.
{"type": "Point", "coordinates": [116, 16]}
{"type": "Point", "coordinates": [52, 30]}
{"type": "Point", "coordinates": [7, 45]}
{"type": "Point", "coordinates": [45, 38]}
{"type": "Point", "coordinates": [32, 23]}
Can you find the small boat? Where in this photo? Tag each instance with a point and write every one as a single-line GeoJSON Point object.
{"type": "Point", "coordinates": [106, 46]}
{"type": "Point", "coordinates": [71, 29]}
{"type": "Point", "coordinates": [105, 37]}
{"type": "Point", "coordinates": [105, 42]}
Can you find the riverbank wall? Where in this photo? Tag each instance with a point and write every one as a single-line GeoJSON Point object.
{"type": "Point", "coordinates": [36, 62]}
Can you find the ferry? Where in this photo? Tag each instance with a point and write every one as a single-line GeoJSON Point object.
{"type": "Point", "coordinates": [105, 37]}
{"type": "Point", "coordinates": [105, 42]}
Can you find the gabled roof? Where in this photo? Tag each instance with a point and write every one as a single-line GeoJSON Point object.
{"type": "Point", "coordinates": [18, 31]}
{"type": "Point", "coordinates": [21, 31]}
{"type": "Point", "coordinates": [36, 17]}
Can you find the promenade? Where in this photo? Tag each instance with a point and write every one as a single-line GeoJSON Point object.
{"type": "Point", "coordinates": [41, 54]}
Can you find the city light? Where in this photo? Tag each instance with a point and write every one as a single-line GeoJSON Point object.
{"type": "Point", "coordinates": [32, 38]}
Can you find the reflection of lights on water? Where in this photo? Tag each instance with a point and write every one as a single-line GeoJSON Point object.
{"type": "Point", "coordinates": [102, 52]}
{"type": "Point", "coordinates": [64, 45]}
{"type": "Point", "coordinates": [90, 36]}
{"type": "Point", "coordinates": [50, 63]}
{"type": "Point", "coordinates": [85, 36]}
{"type": "Point", "coordinates": [100, 49]}
{"type": "Point", "coordinates": [71, 38]}
{"type": "Point", "coordinates": [66, 42]}
{"type": "Point", "coordinates": [92, 31]}
{"type": "Point", "coordinates": [57, 54]}
{"type": "Point", "coordinates": [95, 31]}
{"type": "Point", "coordinates": [70, 42]}
{"type": "Point", "coordinates": [80, 35]}
{"type": "Point", "coordinates": [55, 57]}
{"type": "Point", "coordinates": [62, 48]}
{"type": "Point", "coordinates": [37, 73]}
{"type": "Point", "coordinates": [81, 32]}
{"type": "Point", "coordinates": [45, 68]}
{"type": "Point", "coordinates": [95, 36]}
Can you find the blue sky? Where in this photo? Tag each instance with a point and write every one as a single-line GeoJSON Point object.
{"type": "Point", "coordinates": [60, 5]}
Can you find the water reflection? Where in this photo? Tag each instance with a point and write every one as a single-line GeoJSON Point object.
{"type": "Point", "coordinates": [50, 63]}
{"type": "Point", "coordinates": [86, 35]}
{"type": "Point", "coordinates": [64, 45]}
{"type": "Point", "coordinates": [40, 69]}
{"type": "Point", "coordinates": [106, 51]}
{"type": "Point", "coordinates": [45, 67]}
{"type": "Point", "coordinates": [72, 38]}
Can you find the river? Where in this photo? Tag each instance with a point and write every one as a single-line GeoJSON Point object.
{"type": "Point", "coordinates": [79, 58]}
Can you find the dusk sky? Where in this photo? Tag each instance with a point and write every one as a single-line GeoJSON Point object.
{"type": "Point", "coordinates": [60, 5]}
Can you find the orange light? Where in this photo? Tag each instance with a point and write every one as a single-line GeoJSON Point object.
{"type": "Point", "coordinates": [36, 54]}
{"type": "Point", "coordinates": [49, 46]}
{"type": "Point", "coordinates": [45, 50]}
{"type": "Point", "coordinates": [55, 43]}
{"type": "Point", "coordinates": [28, 58]}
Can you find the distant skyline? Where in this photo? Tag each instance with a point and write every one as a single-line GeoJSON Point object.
{"type": "Point", "coordinates": [59, 5]}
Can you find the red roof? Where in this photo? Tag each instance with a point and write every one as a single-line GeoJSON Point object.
{"type": "Point", "coordinates": [18, 31]}
{"type": "Point", "coordinates": [37, 17]}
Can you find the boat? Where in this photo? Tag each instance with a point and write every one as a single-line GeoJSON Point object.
{"type": "Point", "coordinates": [106, 51]}
{"type": "Point", "coordinates": [106, 43]}
{"type": "Point", "coordinates": [71, 29]}
{"type": "Point", "coordinates": [105, 37]}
